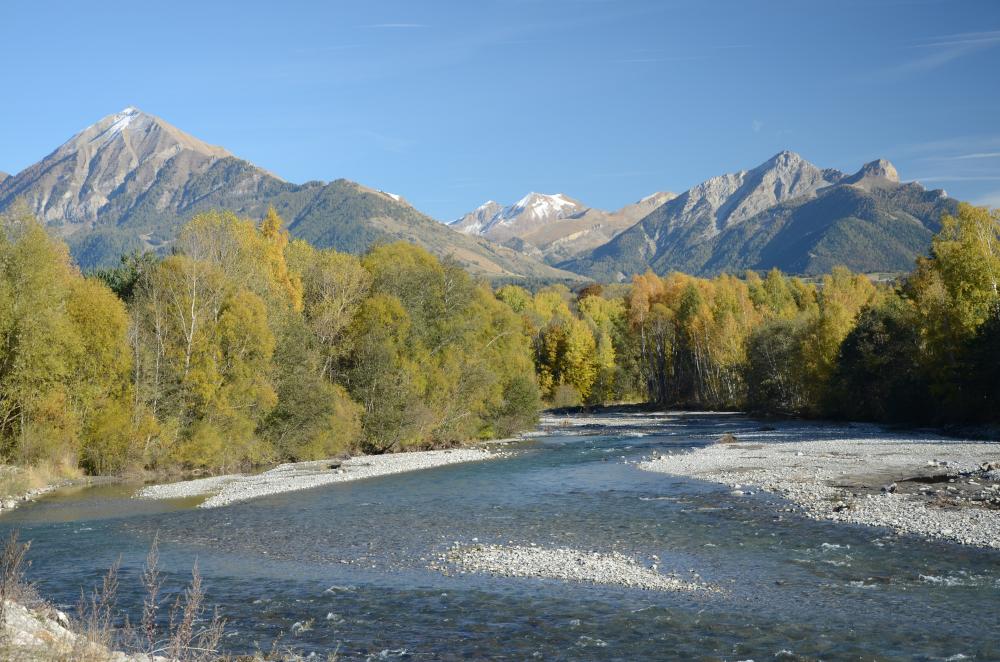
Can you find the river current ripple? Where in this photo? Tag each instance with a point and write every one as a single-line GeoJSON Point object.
{"type": "Point", "coordinates": [345, 567]}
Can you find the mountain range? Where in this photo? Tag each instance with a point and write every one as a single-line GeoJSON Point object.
{"type": "Point", "coordinates": [554, 227]}
{"type": "Point", "coordinates": [785, 213]}
{"type": "Point", "coordinates": [130, 181]}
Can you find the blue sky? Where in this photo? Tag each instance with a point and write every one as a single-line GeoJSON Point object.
{"type": "Point", "coordinates": [453, 103]}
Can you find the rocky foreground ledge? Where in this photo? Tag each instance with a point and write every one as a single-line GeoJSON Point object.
{"type": "Point", "coordinates": [932, 488]}
{"type": "Point", "coordinates": [235, 488]}
{"type": "Point", "coordinates": [560, 563]}
{"type": "Point", "coordinates": [43, 634]}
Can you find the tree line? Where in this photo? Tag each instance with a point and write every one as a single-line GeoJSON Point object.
{"type": "Point", "coordinates": [925, 349]}
{"type": "Point", "coordinates": [243, 348]}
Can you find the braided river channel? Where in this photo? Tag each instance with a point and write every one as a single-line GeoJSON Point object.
{"type": "Point", "coordinates": [351, 567]}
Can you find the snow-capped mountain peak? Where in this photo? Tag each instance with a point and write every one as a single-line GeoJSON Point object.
{"type": "Point", "coordinates": [533, 210]}
{"type": "Point", "coordinates": [541, 206]}
{"type": "Point", "coordinates": [553, 226]}
{"type": "Point", "coordinates": [119, 122]}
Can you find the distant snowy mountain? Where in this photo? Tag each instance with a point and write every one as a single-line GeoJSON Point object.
{"type": "Point", "coordinates": [477, 220]}
{"type": "Point", "coordinates": [524, 216]}
{"type": "Point", "coordinates": [553, 226]}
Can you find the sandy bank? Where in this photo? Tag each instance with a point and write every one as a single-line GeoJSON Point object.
{"type": "Point", "coordinates": [234, 488]}
{"type": "Point", "coordinates": [928, 487]}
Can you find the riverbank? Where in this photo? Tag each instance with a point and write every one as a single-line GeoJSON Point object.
{"type": "Point", "coordinates": [19, 485]}
{"type": "Point", "coordinates": [291, 477]}
{"type": "Point", "coordinates": [43, 634]}
{"type": "Point", "coordinates": [927, 487]}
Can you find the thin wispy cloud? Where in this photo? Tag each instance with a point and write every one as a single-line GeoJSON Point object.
{"type": "Point", "coordinates": [962, 39]}
{"type": "Point", "coordinates": [960, 178]}
{"type": "Point", "coordinates": [961, 160]}
{"type": "Point", "coordinates": [977, 155]}
{"type": "Point", "coordinates": [757, 125]}
{"type": "Point", "coordinates": [949, 149]}
{"type": "Point", "coordinates": [943, 49]}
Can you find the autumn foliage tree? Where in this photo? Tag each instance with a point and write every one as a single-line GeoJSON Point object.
{"type": "Point", "coordinates": [64, 357]}
{"type": "Point", "coordinates": [243, 347]}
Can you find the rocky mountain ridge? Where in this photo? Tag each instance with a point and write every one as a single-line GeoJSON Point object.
{"type": "Point", "coordinates": [785, 213]}
{"type": "Point", "coordinates": [131, 180]}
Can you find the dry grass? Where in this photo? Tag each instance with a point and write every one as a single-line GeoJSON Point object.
{"type": "Point", "coordinates": [189, 635]}
{"type": "Point", "coordinates": [16, 480]}
{"type": "Point", "coordinates": [12, 584]}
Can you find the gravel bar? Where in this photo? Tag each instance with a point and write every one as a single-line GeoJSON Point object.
{"type": "Point", "coordinates": [561, 563]}
{"type": "Point", "coordinates": [188, 488]}
{"type": "Point", "coordinates": [235, 488]}
{"type": "Point", "coordinates": [936, 489]}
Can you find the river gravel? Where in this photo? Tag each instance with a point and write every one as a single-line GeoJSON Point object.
{"type": "Point", "coordinates": [561, 563]}
{"type": "Point", "coordinates": [932, 488]}
{"type": "Point", "coordinates": [235, 488]}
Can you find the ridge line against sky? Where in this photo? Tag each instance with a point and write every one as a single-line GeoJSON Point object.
{"type": "Point", "coordinates": [450, 104]}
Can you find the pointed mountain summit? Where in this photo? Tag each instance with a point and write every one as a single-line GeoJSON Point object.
{"type": "Point", "coordinates": [553, 226]}
{"type": "Point", "coordinates": [721, 202]}
{"type": "Point", "coordinates": [878, 172]}
{"type": "Point", "coordinates": [119, 157]}
{"type": "Point", "coordinates": [477, 220]}
{"type": "Point", "coordinates": [131, 180]}
{"type": "Point", "coordinates": [785, 213]}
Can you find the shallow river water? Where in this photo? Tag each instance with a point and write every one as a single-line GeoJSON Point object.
{"type": "Point", "coordinates": [350, 560]}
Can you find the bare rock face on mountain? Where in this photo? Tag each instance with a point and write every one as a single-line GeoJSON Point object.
{"type": "Point", "coordinates": [119, 157]}
{"type": "Point", "coordinates": [785, 213]}
{"type": "Point", "coordinates": [3, 176]}
{"type": "Point", "coordinates": [553, 227]}
{"type": "Point", "coordinates": [877, 173]}
{"type": "Point", "coordinates": [479, 219]}
{"type": "Point", "coordinates": [130, 181]}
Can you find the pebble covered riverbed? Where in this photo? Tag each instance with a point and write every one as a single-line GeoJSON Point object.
{"type": "Point", "coordinates": [936, 489]}
{"type": "Point", "coordinates": [290, 477]}
{"type": "Point", "coordinates": [565, 547]}
{"type": "Point", "coordinates": [562, 563]}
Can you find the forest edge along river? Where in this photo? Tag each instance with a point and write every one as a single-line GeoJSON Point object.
{"type": "Point", "coordinates": [614, 536]}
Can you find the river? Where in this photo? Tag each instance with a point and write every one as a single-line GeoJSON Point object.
{"type": "Point", "coordinates": [350, 561]}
